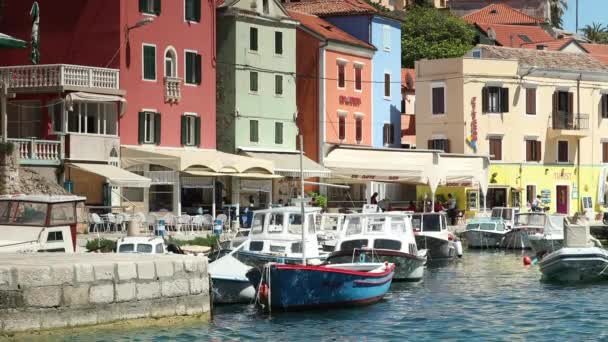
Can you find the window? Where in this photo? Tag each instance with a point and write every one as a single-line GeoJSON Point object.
{"type": "Point", "coordinates": [265, 6]}
{"type": "Point", "coordinates": [495, 100]}
{"type": "Point", "coordinates": [253, 131]}
{"type": "Point", "coordinates": [170, 63]}
{"type": "Point", "coordinates": [56, 114]}
{"type": "Point", "coordinates": [278, 132]}
{"type": "Point", "coordinates": [530, 193]}
{"type": "Point", "coordinates": [25, 213]}
{"type": "Point", "coordinates": [149, 62]}
{"type": "Point", "coordinates": [358, 129]}
{"type": "Point", "coordinates": [386, 37]}
{"type": "Point", "coordinates": [253, 39]}
{"type": "Point", "coordinates": [387, 85]}
{"type": "Point", "coordinates": [562, 151]}
{"type": "Point", "coordinates": [358, 70]}
{"type": "Point", "coordinates": [54, 236]}
{"type": "Point", "coordinates": [476, 53]}
{"type": "Point", "coordinates": [278, 84]}
{"type": "Point", "coordinates": [531, 101]}
{"type": "Point", "coordinates": [191, 130]}
{"type": "Point", "coordinates": [278, 43]}
{"type": "Point", "coordinates": [24, 119]}
{"type": "Point", "coordinates": [604, 106]}
{"type": "Point", "coordinates": [495, 148]}
{"type": "Point", "coordinates": [63, 213]}
{"type": "Point", "coordinates": [193, 10]}
{"type": "Point", "coordinates": [438, 98]}
{"type": "Point", "coordinates": [161, 197]}
{"type": "Point", "coordinates": [159, 249]}
{"type": "Point", "coordinates": [149, 6]}
{"type": "Point", "coordinates": [533, 151]}
{"type": "Point", "coordinates": [93, 118]}
{"type": "Point", "coordinates": [149, 128]}
{"type": "Point", "coordinates": [253, 81]}
{"type": "Point", "coordinates": [388, 136]}
{"type": "Point", "coordinates": [341, 127]}
{"type": "Point", "coordinates": [193, 74]}
{"type": "Point", "coordinates": [341, 79]}
{"type": "Point", "coordinates": [439, 144]}
{"type": "Point", "coordinates": [605, 152]}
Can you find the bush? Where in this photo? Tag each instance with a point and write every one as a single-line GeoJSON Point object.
{"type": "Point", "coordinates": [209, 241]}
{"type": "Point", "coordinates": [101, 245]}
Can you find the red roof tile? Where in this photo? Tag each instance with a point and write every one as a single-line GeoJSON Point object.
{"type": "Point", "coordinates": [553, 45]}
{"type": "Point", "coordinates": [408, 78]}
{"type": "Point", "coordinates": [501, 14]}
{"type": "Point", "coordinates": [332, 7]}
{"type": "Point", "coordinates": [596, 49]}
{"type": "Point", "coordinates": [327, 30]}
{"type": "Point", "coordinates": [601, 58]}
{"type": "Point", "coordinates": [515, 35]}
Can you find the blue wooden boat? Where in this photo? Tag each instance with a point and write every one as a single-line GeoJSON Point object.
{"type": "Point", "coordinates": [299, 287]}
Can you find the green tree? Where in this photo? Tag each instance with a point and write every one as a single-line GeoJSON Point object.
{"type": "Point", "coordinates": [432, 34]}
{"type": "Point", "coordinates": [558, 8]}
{"type": "Point", "coordinates": [596, 32]}
{"type": "Point", "coordinates": [420, 3]}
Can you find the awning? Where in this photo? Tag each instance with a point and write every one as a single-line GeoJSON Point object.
{"type": "Point", "coordinates": [115, 175]}
{"type": "Point", "coordinates": [211, 162]}
{"type": "Point", "coordinates": [92, 97]}
{"type": "Point", "coordinates": [288, 164]}
{"type": "Point", "coordinates": [465, 168]}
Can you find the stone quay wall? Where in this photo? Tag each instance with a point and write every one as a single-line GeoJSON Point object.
{"type": "Point", "coordinates": [49, 291]}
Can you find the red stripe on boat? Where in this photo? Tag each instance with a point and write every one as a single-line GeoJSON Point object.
{"type": "Point", "coordinates": [387, 271]}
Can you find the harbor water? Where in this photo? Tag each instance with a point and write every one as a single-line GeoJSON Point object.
{"type": "Point", "coordinates": [487, 295]}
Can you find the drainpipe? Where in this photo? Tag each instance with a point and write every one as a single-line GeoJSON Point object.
{"type": "Point", "coordinates": [322, 116]}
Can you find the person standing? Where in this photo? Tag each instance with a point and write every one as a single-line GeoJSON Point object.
{"type": "Point", "coordinates": [374, 198]}
{"type": "Point", "coordinates": [452, 209]}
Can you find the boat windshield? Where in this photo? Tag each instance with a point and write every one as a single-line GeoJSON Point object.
{"type": "Point", "coordinates": [275, 223]}
{"type": "Point", "coordinates": [376, 225]}
{"type": "Point", "coordinates": [23, 213]}
{"type": "Point", "coordinates": [353, 226]}
{"type": "Point", "coordinates": [63, 213]}
{"type": "Point", "coordinates": [257, 223]}
{"type": "Point", "coordinates": [330, 222]}
{"type": "Point", "coordinates": [398, 226]}
{"type": "Point", "coordinates": [427, 223]}
{"type": "Point", "coordinates": [487, 226]}
{"type": "Point", "coordinates": [473, 226]}
{"type": "Point", "coordinates": [504, 213]}
{"type": "Point", "coordinates": [295, 224]}
{"type": "Point", "coordinates": [530, 220]}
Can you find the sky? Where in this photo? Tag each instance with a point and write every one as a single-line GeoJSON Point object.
{"type": "Point", "coordinates": [588, 11]}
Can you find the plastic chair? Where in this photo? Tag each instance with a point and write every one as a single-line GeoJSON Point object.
{"type": "Point", "coordinates": [119, 222]}
{"type": "Point", "coordinates": [184, 222]}
{"type": "Point", "coordinates": [208, 221]}
{"type": "Point", "coordinates": [197, 222]}
{"type": "Point", "coordinates": [108, 222]}
{"type": "Point", "coordinates": [96, 222]}
{"type": "Point", "coordinates": [151, 222]}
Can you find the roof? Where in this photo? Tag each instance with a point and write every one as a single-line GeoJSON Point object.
{"type": "Point", "coordinates": [326, 29]}
{"type": "Point", "coordinates": [543, 59]}
{"type": "Point", "coordinates": [597, 51]}
{"type": "Point", "coordinates": [408, 78]}
{"type": "Point", "coordinates": [43, 198]}
{"type": "Point", "coordinates": [326, 8]}
{"type": "Point", "coordinates": [553, 45]}
{"type": "Point", "coordinates": [501, 14]}
{"type": "Point", "coordinates": [519, 34]}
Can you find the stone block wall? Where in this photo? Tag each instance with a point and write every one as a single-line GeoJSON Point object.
{"type": "Point", "coordinates": [46, 291]}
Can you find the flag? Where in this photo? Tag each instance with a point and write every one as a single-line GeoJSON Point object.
{"type": "Point", "coordinates": [35, 15]}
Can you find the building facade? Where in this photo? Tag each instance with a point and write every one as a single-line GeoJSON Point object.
{"type": "Point", "coordinates": [408, 108]}
{"type": "Point", "coordinates": [540, 115]}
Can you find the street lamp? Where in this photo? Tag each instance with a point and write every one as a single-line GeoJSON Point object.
{"type": "Point", "coordinates": [140, 23]}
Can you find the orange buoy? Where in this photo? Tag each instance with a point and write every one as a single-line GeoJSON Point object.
{"type": "Point", "coordinates": [527, 261]}
{"type": "Point", "coordinates": [263, 292]}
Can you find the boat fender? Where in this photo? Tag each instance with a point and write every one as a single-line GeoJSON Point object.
{"type": "Point", "coordinates": [263, 292]}
{"type": "Point", "coordinates": [458, 245]}
{"type": "Point", "coordinates": [527, 260]}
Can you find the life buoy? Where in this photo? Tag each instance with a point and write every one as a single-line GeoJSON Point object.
{"type": "Point", "coordinates": [263, 292]}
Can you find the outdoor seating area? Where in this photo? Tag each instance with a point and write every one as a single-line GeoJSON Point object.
{"type": "Point", "coordinates": [152, 222]}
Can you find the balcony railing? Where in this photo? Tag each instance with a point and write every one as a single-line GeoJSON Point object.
{"type": "Point", "coordinates": [570, 121]}
{"type": "Point", "coordinates": [59, 75]}
{"type": "Point", "coordinates": [38, 152]}
{"type": "Point", "coordinates": [173, 91]}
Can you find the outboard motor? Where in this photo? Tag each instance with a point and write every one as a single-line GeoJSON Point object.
{"type": "Point", "coordinates": [605, 218]}
{"type": "Point", "coordinates": [458, 246]}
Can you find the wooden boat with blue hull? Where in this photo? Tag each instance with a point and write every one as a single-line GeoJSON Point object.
{"type": "Point", "coordinates": [300, 287]}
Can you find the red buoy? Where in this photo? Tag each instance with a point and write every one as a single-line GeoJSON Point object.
{"type": "Point", "coordinates": [527, 261]}
{"type": "Point", "coordinates": [263, 292]}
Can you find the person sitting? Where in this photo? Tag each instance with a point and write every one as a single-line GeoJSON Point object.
{"type": "Point", "coordinates": [535, 206]}
{"type": "Point", "coordinates": [411, 207]}
{"type": "Point", "coordinates": [438, 207]}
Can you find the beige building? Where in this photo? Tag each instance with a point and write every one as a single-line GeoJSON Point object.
{"type": "Point", "coordinates": [399, 5]}
{"type": "Point", "coordinates": [541, 115]}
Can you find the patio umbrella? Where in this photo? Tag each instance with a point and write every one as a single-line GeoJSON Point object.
{"type": "Point", "coordinates": [8, 42]}
{"type": "Point", "coordinates": [35, 14]}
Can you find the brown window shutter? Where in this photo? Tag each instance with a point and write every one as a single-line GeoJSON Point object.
{"type": "Point", "coordinates": [605, 152]}
{"type": "Point", "coordinates": [531, 101]}
{"type": "Point", "coordinates": [555, 103]}
{"type": "Point", "coordinates": [447, 146]}
{"type": "Point", "coordinates": [484, 100]}
{"type": "Point", "coordinates": [498, 149]}
{"type": "Point", "coordinates": [605, 106]}
{"type": "Point", "coordinates": [528, 150]}
{"type": "Point", "coordinates": [570, 110]}
{"type": "Point", "coordinates": [504, 100]}
{"type": "Point", "coordinates": [538, 151]}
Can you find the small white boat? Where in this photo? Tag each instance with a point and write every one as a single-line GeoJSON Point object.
{"type": "Point", "coordinates": [380, 237]}
{"type": "Point", "coordinates": [141, 245]}
{"type": "Point", "coordinates": [507, 214]}
{"type": "Point", "coordinates": [530, 224]}
{"type": "Point", "coordinates": [551, 239]}
{"type": "Point", "coordinates": [431, 231]}
{"type": "Point", "coordinates": [229, 281]}
{"type": "Point", "coordinates": [485, 233]}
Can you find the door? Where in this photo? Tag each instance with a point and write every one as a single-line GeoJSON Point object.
{"type": "Point", "coordinates": [561, 192]}
{"type": "Point", "coordinates": [497, 197]}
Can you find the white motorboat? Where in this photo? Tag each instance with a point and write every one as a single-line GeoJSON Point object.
{"type": "Point", "coordinates": [229, 281]}
{"type": "Point", "coordinates": [141, 245]}
{"type": "Point", "coordinates": [38, 223]}
{"type": "Point", "coordinates": [485, 233]}
{"type": "Point", "coordinates": [507, 214]}
{"type": "Point", "coordinates": [551, 239]}
{"type": "Point", "coordinates": [380, 237]}
{"type": "Point", "coordinates": [329, 231]}
{"type": "Point", "coordinates": [581, 259]}
{"type": "Point", "coordinates": [530, 224]}
{"type": "Point", "coordinates": [432, 234]}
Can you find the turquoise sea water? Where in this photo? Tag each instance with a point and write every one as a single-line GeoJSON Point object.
{"type": "Point", "coordinates": [485, 296]}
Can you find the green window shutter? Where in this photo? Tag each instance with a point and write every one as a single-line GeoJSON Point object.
{"type": "Point", "coordinates": [142, 6]}
{"type": "Point", "coordinates": [149, 62]}
{"type": "Point", "coordinates": [278, 132]}
{"type": "Point", "coordinates": [197, 10]}
{"type": "Point", "coordinates": [184, 130]}
{"type": "Point", "coordinates": [189, 9]}
{"type": "Point", "coordinates": [197, 69]}
{"type": "Point", "coordinates": [253, 130]}
{"type": "Point", "coordinates": [157, 128]}
{"type": "Point", "coordinates": [157, 7]}
{"type": "Point", "coordinates": [197, 131]}
{"type": "Point", "coordinates": [189, 67]}
{"type": "Point", "coordinates": [142, 127]}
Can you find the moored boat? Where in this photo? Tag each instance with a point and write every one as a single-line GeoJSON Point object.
{"type": "Point", "coordinates": [529, 224]}
{"type": "Point", "coordinates": [230, 282]}
{"type": "Point", "coordinates": [551, 239]}
{"type": "Point", "coordinates": [485, 233]}
{"type": "Point", "coordinates": [507, 214]}
{"type": "Point", "coordinates": [432, 234]}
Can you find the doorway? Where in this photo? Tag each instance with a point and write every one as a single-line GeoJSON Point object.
{"type": "Point", "coordinates": [561, 199]}
{"type": "Point", "coordinates": [497, 197]}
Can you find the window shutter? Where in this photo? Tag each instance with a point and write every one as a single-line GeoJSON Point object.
{"type": "Point", "coordinates": [197, 10]}
{"type": "Point", "coordinates": [197, 69]}
{"type": "Point", "coordinates": [142, 127]}
{"type": "Point", "coordinates": [538, 150]}
{"type": "Point", "coordinates": [387, 85]}
{"type": "Point", "coordinates": [570, 110]}
{"type": "Point", "coordinates": [385, 134]}
{"type": "Point", "coordinates": [253, 39]}
{"type": "Point", "coordinates": [197, 131]}
{"type": "Point", "coordinates": [391, 134]}
{"type": "Point", "coordinates": [603, 104]}
{"type": "Point", "coordinates": [278, 43]}
{"type": "Point", "coordinates": [504, 100]}
{"type": "Point", "coordinates": [149, 62]}
{"type": "Point", "coordinates": [528, 150]}
{"type": "Point", "coordinates": [605, 152]}
{"type": "Point", "coordinates": [484, 100]}
{"type": "Point", "coordinates": [498, 149]}
{"type": "Point", "coordinates": [142, 6]}
{"type": "Point", "coordinates": [184, 135]}
{"type": "Point", "coordinates": [446, 145]}
{"type": "Point", "coordinates": [530, 100]}
{"type": "Point", "coordinates": [429, 144]}
{"type": "Point", "coordinates": [157, 128]}
{"type": "Point", "coordinates": [157, 7]}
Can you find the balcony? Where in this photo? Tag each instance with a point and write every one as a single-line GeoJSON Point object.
{"type": "Point", "coordinates": [60, 78]}
{"type": "Point", "coordinates": [173, 89]}
{"type": "Point", "coordinates": [569, 125]}
{"type": "Point", "coordinates": [38, 152]}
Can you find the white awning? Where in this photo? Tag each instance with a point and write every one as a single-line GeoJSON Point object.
{"type": "Point", "coordinates": [455, 168]}
{"type": "Point", "coordinates": [115, 175]}
{"type": "Point", "coordinates": [81, 96]}
{"type": "Point", "coordinates": [288, 164]}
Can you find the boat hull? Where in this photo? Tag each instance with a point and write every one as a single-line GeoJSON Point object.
{"type": "Point", "coordinates": [541, 245]}
{"type": "Point", "coordinates": [517, 238]}
{"type": "Point", "coordinates": [299, 287]}
{"type": "Point", "coordinates": [575, 265]}
{"type": "Point", "coordinates": [258, 260]}
{"type": "Point", "coordinates": [231, 291]}
{"type": "Point", "coordinates": [483, 239]}
{"type": "Point", "coordinates": [437, 248]}
{"type": "Point", "coordinates": [408, 267]}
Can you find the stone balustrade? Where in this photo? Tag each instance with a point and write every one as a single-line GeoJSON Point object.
{"type": "Point", "coordinates": [59, 75]}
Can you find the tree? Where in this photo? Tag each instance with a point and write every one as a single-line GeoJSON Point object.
{"type": "Point", "coordinates": [420, 3]}
{"type": "Point", "coordinates": [431, 33]}
{"type": "Point", "coordinates": [558, 8]}
{"type": "Point", "coordinates": [596, 32]}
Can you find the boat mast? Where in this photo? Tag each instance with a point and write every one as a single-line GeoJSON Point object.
{"type": "Point", "coordinates": [302, 199]}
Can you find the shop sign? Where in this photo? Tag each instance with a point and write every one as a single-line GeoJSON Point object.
{"type": "Point", "coordinates": [562, 175]}
{"type": "Point", "coordinates": [545, 196]}
{"type": "Point", "coordinates": [472, 139]}
{"type": "Point", "coordinates": [350, 100]}
{"type": "Point", "coordinates": [371, 177]}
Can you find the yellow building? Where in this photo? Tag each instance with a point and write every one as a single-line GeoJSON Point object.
{"type": "Point", "coordinates": [541, 115]}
